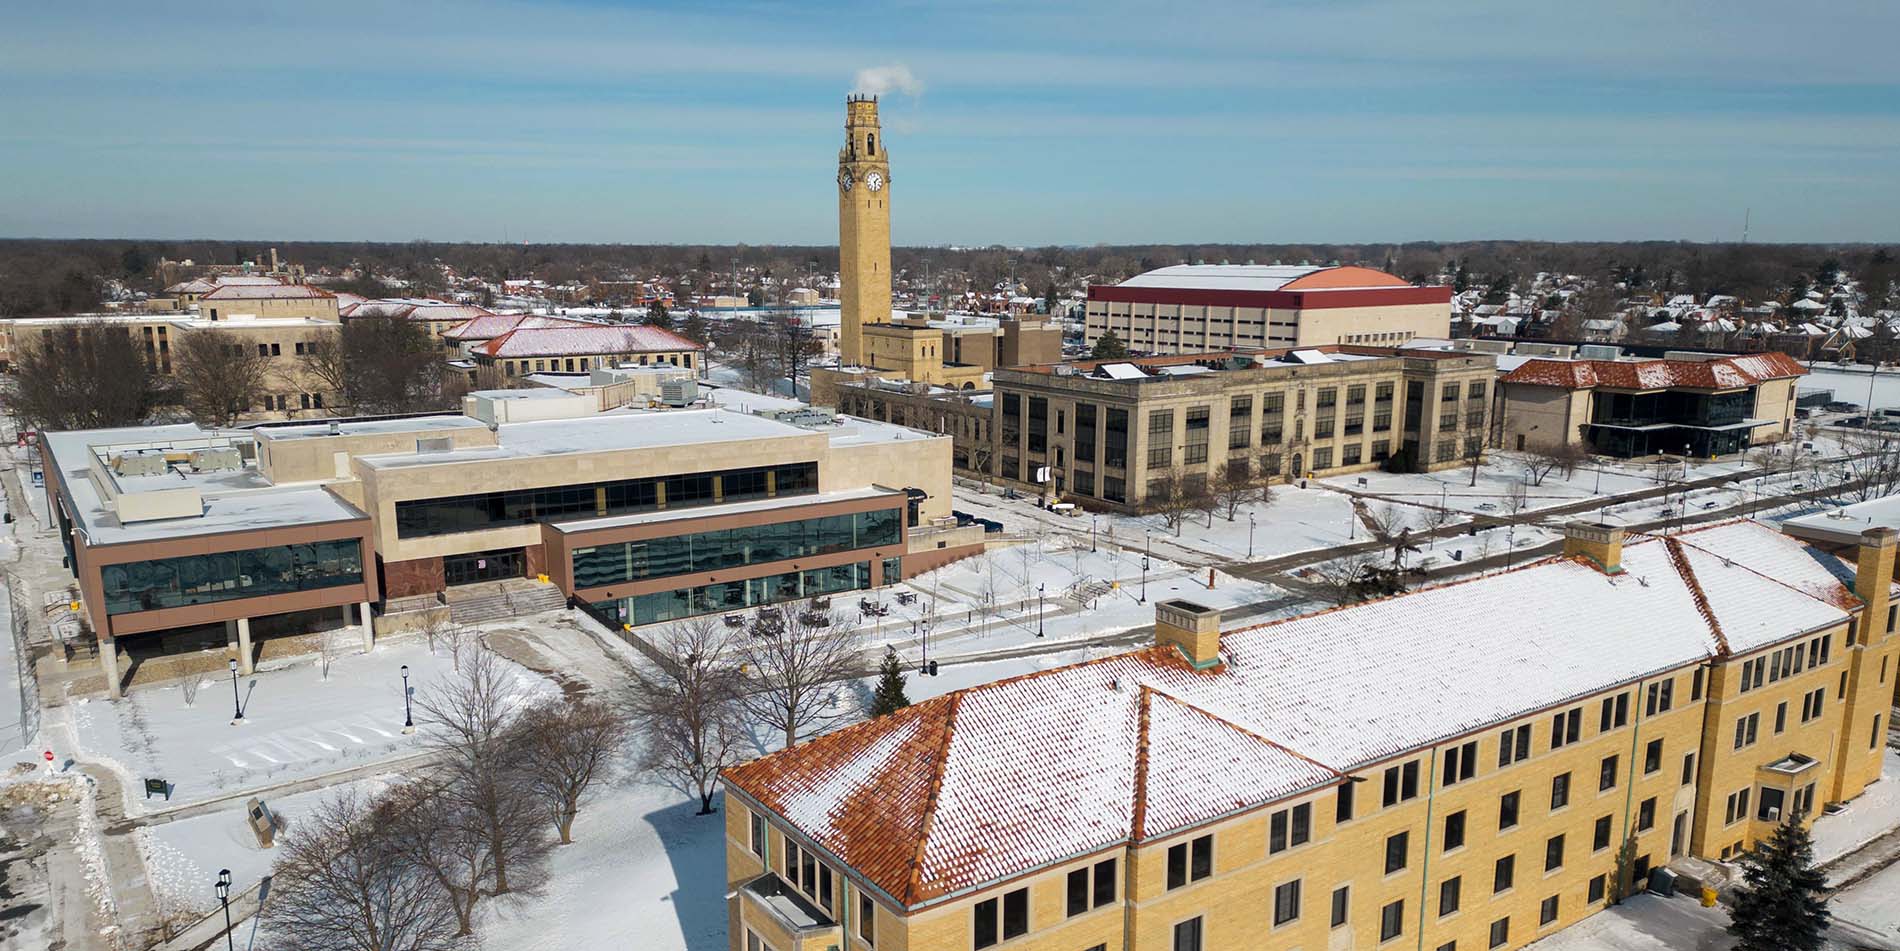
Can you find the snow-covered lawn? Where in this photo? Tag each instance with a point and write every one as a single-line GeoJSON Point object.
{"type": "Point", "coordinates": [297, 724]}
{"type": "Point", "coordinates": [1873, 904]}
{"type": "Point", "coordinates": [1294, 520]}
{"type": "Point", "coordinates": [1875, 813]}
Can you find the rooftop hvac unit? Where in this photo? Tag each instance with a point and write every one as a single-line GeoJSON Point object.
{"type": "Point", "coordinates": [1597, 351]}
{"type": "Point", "coordinates": [139, 462]}
{"type": "Point", "coordinates": [679, 392]}
{"type": "Point", "coordinates": [218, 459]}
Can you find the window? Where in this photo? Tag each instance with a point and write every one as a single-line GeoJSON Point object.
{"type": "Point", "coordinates": [1615, 714]}
{"type": "Point", "coordinates": [1659, 697]}
{"type": "Point", "coordinates": [1289, 827]}
{"type": "Point", "coordinates": [1195, 449]}
{"type": "Point", "coordinates": [1554, 853]}
{"type": "Point", "coordinates": [1461, 762]}
{"type": "Point", "coordinates": [1448, 895]}
{"type": "Point", "coordinates": [1514, 745]}
{"type": "Point", "coordinates": [1392, 920]}
{"type": "Point", "coordinates": [1559, 791]}
{"type": "Point", "coordinates": [1500, 932]}
{"type": "Point", "coordinates": [1600, 835]}
{"type": "Point", "coordinates": [1104, 882]}
{"type": "Point", "coordinates": [1239, 422]}
{"type": "Point", "coordinates": [1187, 935]}
{"type": "Point", "coordinates": [1401, 783]}
{"type": "Point", "coordinates": [1695, 685]}
{"type": "Point", "coordinates": [1455, 830]}
{"type": "Point", "coordinates": [1598, 886]}
{"type": "Point", "coordinates": [1547, 912]}
{"type": "Point", "coordinates": [1342, 807]}
{"type": "Point", "coordinates": [1342, 905]}
{"type": "Point", "coordinates": [1286, 903]}
{"type": "Point", "coordinates": [1396, 847]}
{"type": "Point", "coordinates": [1566, 727]}
{"type": "Point", "coordinates": [1646, 815]}
{"type": "Point", "coordinates": [1190, 861]}
{"type": "Point", "coordinates": [1160, 438]}
{"type": "Point", "coordinates": [867, 919]}
{"type": "Point", "coordinates": [1745, 729]}
{"type": "Point", "coordinates": [1507, 810]}
{"type": "Point", "coordinates": [1652, 757]}
{"type": "Point", "coordinates": [1015, 913]}
{"type": "Point", "coordinates": [1078, 891]}
{"type": "Point", "coordinates": [1737, 806]}
{"type": "Point", "coordinates": [1606, 774]}
{"type": "Point", "coordinates": [758, 835]}
{"type": "Point", "coordinates": [1503, 874]}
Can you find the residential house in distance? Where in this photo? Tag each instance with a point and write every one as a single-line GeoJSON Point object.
{"type": "Point", "coordinates": [1442, 769]}
{"type": "Point", "coordinates": [577, 349]}
{"type": "Point", "coordinates": [181, 538]}
{"type": "Point", "coordinates": [1704, 404]}
{"type": "Point", "coordinates": [1201, 308]}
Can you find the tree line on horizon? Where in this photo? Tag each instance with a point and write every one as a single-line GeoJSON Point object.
{"type": "Point", "coordinates": [41, 277]}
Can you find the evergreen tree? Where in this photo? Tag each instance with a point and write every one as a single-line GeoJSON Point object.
{"type": "Point", "coordinates": [1109, 347]}
{"type": "Point", "coordinates": [695, 328]}
{"type": "Point", "coordinates": [889, 697]}
{"type": "Point", "coordinates": [1781, 905]}
{"type": "Point", "coordinates": [657, 316]}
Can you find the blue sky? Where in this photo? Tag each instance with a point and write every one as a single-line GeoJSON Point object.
{"type": "Point", "coordinates": [1025, 123]}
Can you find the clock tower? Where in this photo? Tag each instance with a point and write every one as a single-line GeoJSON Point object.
{"type": "Point", "coordinates": [864, 228]}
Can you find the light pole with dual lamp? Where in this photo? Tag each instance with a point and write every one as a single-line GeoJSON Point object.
{"type": "Point", "coordinates": [408, 722]}
{"type": "Point", "coordinates": [224, 898]}
{"type": "Point", "coordinates": [237, 706]}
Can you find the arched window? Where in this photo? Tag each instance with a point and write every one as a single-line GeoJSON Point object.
{"type": "Point", "coordinates": [870, 144]}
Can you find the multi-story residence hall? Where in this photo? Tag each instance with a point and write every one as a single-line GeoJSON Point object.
{"type": "Point", "coordinates": [1444, 769]}
{"type": "Point", "coordinates": [1107, 431]}
{"type": "Point", "coordinates": [181, 538]}
{"type": "Point", "coordinates": [1194, 308]}
{"type": "Point", "coordinates": [1706, 404]}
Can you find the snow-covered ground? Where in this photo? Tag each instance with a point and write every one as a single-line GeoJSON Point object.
{"type": "Point", "coordinates": [1873, 904]}
{"type": "Point", "coordinates": [1851, 385]}
{"type": "Point", "coordinates": [297, 724]}
{"type": "Point", "coordinates": [989, 602]}
{"type": "Point", "coordinates": [1875, 813]}
{"type": "Point", "coordinates": [1293, 520]}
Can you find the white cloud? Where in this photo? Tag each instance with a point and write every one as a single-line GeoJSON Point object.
{"type": "Point", "coordinates": [883, 80]}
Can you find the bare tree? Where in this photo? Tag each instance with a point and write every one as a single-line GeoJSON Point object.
{"type": "Point", "coordinates": [1552, 458]}
{"type": "Point", "coordinates": [796, 665]}
{"type": "Point", "coordinates": [82, 376]}
{"type": "Point", "coordinates": [1385, 521]}
{"type": "Point", "coordinates": [1474, 455]}
{"type": "Point", "coordinates": [1353, 579]}
{"type": "Point", "coordinates": [1168, 497]}
{"type": "Point", "coordinates": [565, 745]}
{"type": "Point", "coordinates": [684, 705]}
{"type": "Point", "coordinates": [329, 647]}
{"type": "Point", "coordinates": [190, 687]}
{"type": "Point", "coordinates": [219, 375]}
{"type": "Point", "coordinates": [1436, 518]}
{"type": "Point", "coordinates": [379, 365]}
{"type": "Point", "coordinates": [1870, 467]}
{"type": "Point", "coordinates": [1516, 500]}
{"type": "Point", "coordinates": [1237, 486]}
{"type": "Point", "coordinates": [340, 884]}
{"type": "Point", "coordinates": [793, 345]}
{"type": "Point", "coordinates": [439, 836]}
{"type": "Point", "coordinates": [470, 718]}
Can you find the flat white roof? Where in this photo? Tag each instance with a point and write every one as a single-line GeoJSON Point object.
{"type": "Point", "coordinates": [706, 511]}
{"type": "Point", "coordinates": [363, 427]}
{"type": "Point", "coordinates": [546, 393]}
{"type": "Point", "coordinates": [1231, 277]}
{"type": "Point", "coordinates": [1845, 523]}
{"type": "Point", "coordinates": [607, 432]}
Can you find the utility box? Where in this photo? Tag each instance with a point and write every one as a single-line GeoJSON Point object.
{"type": "Point", "coordinates": [680, 391]}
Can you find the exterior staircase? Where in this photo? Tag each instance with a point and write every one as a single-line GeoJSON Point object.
{"type": "Point", "coordinates": [499, 600]}
{"type": "Point", "coordinates": [1085, 591]}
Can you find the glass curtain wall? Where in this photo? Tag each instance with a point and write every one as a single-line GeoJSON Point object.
{"type": "Point", "coordinates": [230, 575]}
{"type": "Point", "coordinates": [734, 547]}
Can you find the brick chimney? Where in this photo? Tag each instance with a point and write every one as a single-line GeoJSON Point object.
{"type": "Point", "coordinates": [1600, 543]}
{"type": "Point", "coordinates": [1873, 571]}
{"type": "Point", "coordinates": [1190, 628]}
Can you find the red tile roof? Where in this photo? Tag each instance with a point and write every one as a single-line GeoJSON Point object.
{"type": "Point", "coordinates": [1722, 373]}
{"type": "Point", "coordinates": [985, 784]}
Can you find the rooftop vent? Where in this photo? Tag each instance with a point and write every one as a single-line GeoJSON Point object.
{"type": "Point", "coordinates": [139, 462]}
{"type": "Point", "coordinates": [435, 444]}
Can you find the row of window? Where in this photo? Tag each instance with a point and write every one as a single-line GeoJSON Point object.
{"type": "Point", "coordinates": [583, 364]}
{"type": "Point", "coordinates": [734, 547]}
{"type": "Point", "coordinates": [1785, 662]}
{"type": "Point", "coordinates": [468, 513]}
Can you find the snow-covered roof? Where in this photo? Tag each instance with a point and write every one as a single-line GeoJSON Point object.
{"type": "Point", "coordinates": [606, 432]}
{"type": "Point", "coordinates": [983, 784]}
{"type": "Point", "coordinates": [1262, 277]}
{"type": "Point", "coordinates": [488, 326]}
{"type": "Point", "coordinates": [566, 341]}
{"type": "Point", "coordinates": [272, 291]}
{"type": "Point", "coordinates": [1720, 373]}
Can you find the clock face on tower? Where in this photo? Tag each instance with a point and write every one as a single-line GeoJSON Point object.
{"type": "Point", "coordinates": [844, 179]}
{"type": "Point", "coordinates": [874, 181]}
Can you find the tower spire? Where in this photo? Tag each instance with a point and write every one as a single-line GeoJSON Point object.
{"type": "Point", "coordinates": [864, 228]}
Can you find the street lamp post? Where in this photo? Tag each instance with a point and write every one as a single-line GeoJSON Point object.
{"type": "Point", "coordinates": [237, 708]}
{"type": "Point", "coordinates": [1148, 547]}
{"type": "Point", "coordinates": [408, 722]}
{"type": "Point", "coordinates": [1092, 534]}
{"type": "Point", "coordinates": [1039, 588]}
{"type": "Point", "coordinates": [224, 898]}
{"type": "Point", "coordinates": [1250, 526]}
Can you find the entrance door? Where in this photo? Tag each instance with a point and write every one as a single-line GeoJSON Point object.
{"type": "Point", "coordinates": [482, 566]}
{"type": "Point", "coordinates": [1298, 468]}
{"type": "Point", "coordinates": [1676, 837]}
